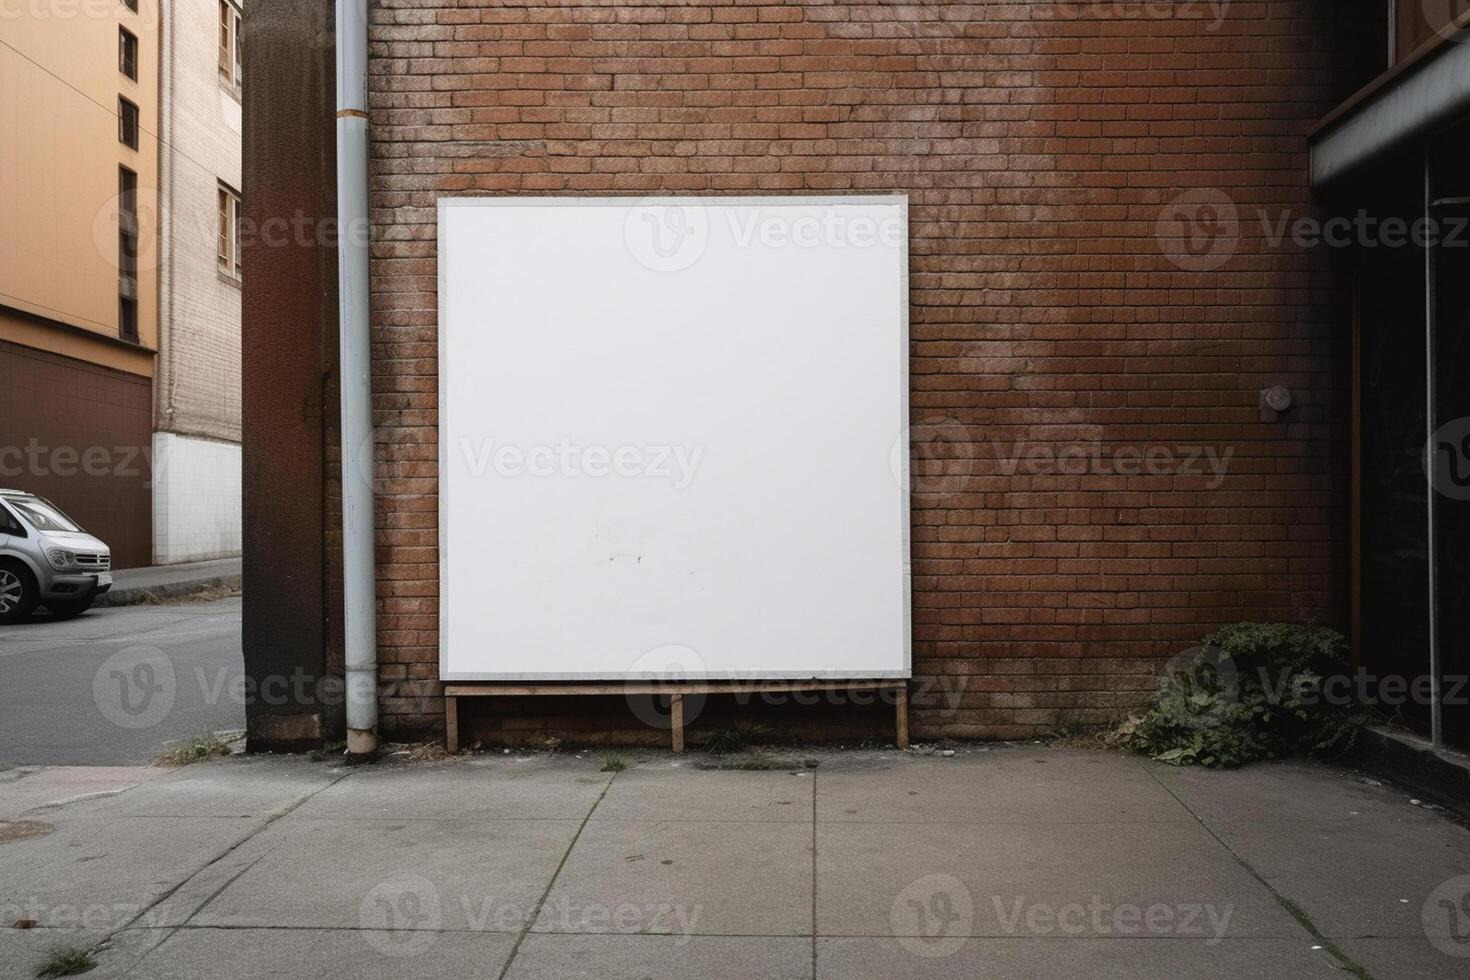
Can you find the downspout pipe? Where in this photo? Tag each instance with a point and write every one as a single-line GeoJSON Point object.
{"type": "Point", "coordinates": [359, 601]}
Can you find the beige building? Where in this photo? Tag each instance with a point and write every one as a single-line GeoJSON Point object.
{"type": "Point", "coordinates": [119, 269]}
{"type": "Point", "coordinates": [78, 260]}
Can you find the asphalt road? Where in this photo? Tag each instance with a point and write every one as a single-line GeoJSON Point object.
{"type": "Point", "coordinates": [114, 686]}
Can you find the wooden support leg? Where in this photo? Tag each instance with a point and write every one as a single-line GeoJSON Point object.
{"type": "Point", "coordinates": [901, 714]}
{"type": "Point", "coordinates": [676, 720]}
{"type": "Point", "coordinates": [451, 723]}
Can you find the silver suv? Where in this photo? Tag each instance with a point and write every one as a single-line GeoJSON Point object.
{"type": "Point", "coordinates": [47, 559]}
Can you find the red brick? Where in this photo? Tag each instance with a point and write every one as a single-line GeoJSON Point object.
{"type": "Point", "coordinates": [1038, 154]}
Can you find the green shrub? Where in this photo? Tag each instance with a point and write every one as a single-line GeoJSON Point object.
{"type": "Point", "coordinates": [1253, 691]}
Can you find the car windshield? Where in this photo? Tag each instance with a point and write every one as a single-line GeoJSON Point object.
{"type": "Point", "coordinates": [42, 514]}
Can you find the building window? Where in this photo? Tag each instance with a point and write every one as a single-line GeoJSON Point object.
{"type": "Point", "coordinates": [230, 49]}
{"type": "Point", "coordinates": [127, 123]}
{"type": "Point", "coordinates": [227, 250]}
{"type": "Point", "coordinates": [127, 253]}
{"type": "Point", "coordinates": [127, 53]}
{"type": "Point", "coordinates": [127, 192]}
{"type": "Point", "coordinates": [127, 317]}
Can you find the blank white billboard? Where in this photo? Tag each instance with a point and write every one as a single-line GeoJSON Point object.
{"type": "Point", "coordinates": [673, 438]}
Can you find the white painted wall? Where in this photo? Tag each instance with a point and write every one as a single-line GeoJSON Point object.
{"type": "Point", "coordinates": [196, 499]}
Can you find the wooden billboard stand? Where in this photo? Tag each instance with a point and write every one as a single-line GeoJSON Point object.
{"type": "Point", "coordinates": [676, 692]}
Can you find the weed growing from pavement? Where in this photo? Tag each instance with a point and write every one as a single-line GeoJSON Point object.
{"type": "Point", "coordinates": [751, 760]}
{"type": "Point", "coordinates": [739, 738]}
{"type": "Point", "coordinates": [197, 749]}
{"type": "Point", "coordinates": [613, 764]}
{"type": "Point", "coordinates": [66, 961]}
{"type": "Point", "coordinates": [1075, 735]}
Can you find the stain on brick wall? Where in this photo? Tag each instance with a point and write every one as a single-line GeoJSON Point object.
{"type": "Point", "coordinates": [1100, 291]}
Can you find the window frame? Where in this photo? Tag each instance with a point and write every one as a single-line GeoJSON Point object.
{"type": "Point", "coordinates": [127, 110]}
{"type": "Point", "coordinates": [227, 251]}
{"type": "Point", "coordinates": [127, 318]}
{"type": "Point", "coordinates": [10, 524]}
{"type": "Point", "coordinates": [230, 54]}
{"type": "Point", "coordinates": [128, 235]}
{"type": "Point", "coordinates": [127, 53]}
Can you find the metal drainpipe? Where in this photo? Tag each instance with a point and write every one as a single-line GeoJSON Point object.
{"type": "Point", "coordinates": [358, 572]}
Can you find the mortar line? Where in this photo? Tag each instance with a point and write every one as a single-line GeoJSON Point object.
{"type": "Point", "coordinates": [1344, 961]}
{"type": "Point", "coordinates": [256, 830]}
{"type": "Point", "coordinates": [536, 912]}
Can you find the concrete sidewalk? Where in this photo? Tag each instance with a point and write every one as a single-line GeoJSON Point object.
{"type": "Point", "coordinates": [134, 585]}
{"type": "Point", "coordinates": [1006, 861]}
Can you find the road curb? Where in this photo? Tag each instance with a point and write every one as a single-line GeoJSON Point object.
{"type": "Point", "coordinates": [142, 595]}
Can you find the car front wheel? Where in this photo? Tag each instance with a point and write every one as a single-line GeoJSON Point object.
{"type": "Point", "coordinates": [18, 592]}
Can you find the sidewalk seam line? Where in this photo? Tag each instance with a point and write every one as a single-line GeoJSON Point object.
{"type": "Point", "coordinates": [264, 824]}
{"type": "Point", "coordinates": [814, 874]}
{"type": "Point", "coordinates": [536, 912]}
{"type": "Point", "coordinates": [1344, 962]}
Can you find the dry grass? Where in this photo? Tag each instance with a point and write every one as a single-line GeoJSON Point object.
{"type": "Point", "coordinates": [212, 594]}
{"type": "Point", "coordinates": [197, 749]}
{"type": "Point", "coordinates": [66, 961]}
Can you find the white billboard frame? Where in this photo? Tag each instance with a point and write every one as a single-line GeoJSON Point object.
{"type": "Point", "coordinates": [444, 331]}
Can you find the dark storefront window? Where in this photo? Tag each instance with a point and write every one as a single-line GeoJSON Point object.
{"type": "Point", "coordinates": [1449, 186]}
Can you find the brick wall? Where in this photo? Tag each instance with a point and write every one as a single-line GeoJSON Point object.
{"type": "Point", "coordinates": [1078, 290]}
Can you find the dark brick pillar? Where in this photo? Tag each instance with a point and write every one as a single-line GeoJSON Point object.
{"type": "Point", "coordinates": [289, 352]}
